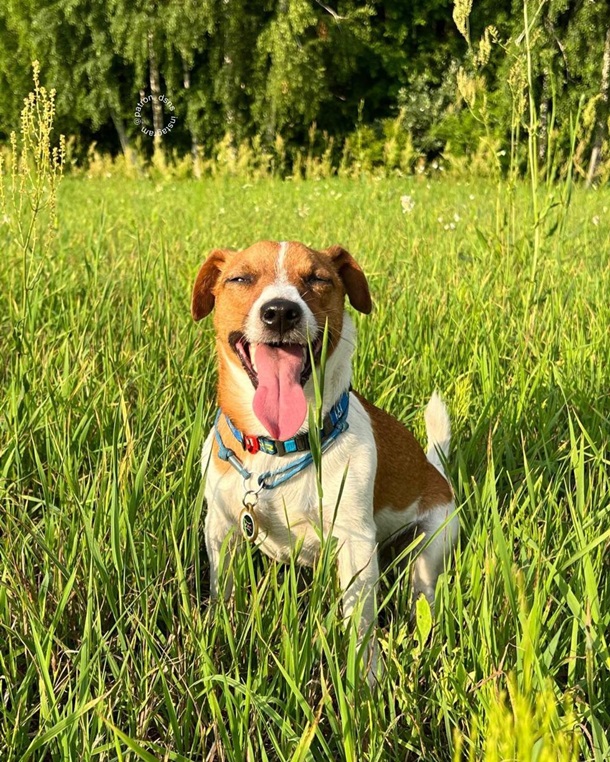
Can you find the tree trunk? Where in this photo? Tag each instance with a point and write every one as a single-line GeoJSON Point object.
{"type": "Point", "coordinates": [194, 141]}
{"type": "Point", "coordinates": [123, 137]}
{"type": "Point", "coordinates": [601, 124]}
{"type": "Point", "coordinates": [155, 91]}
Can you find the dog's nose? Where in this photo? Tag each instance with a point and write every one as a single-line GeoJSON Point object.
{"type": "Point", "coordinates": [281, 315]}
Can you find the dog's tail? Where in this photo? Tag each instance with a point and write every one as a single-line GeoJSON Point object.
{"type": "Point", "coordinates": [438, 428]}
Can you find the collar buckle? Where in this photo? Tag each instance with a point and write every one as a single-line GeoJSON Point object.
{"type": "Point", "coordinates": [251, 444]}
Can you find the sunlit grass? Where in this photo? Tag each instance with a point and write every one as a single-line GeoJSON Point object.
{"type": "Point", "coordinates": [109, 648]}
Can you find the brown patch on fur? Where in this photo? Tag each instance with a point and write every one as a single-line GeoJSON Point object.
{"type": "Point", "coordinates": [404, 474]}
{"type": "Point", "coordinates": [202, 302]}
{"type": "Point", "coordinates": [324, 299]}
{"type": "Point", "coordinates": [353, 278]}
{"type": "Point", "coordinates": [230, 402]}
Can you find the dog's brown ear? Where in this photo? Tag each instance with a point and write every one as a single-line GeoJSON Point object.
{"type": "Point", "coordinates": [205, 282]}
{"type": "Point", "coordinates": [353, 278]}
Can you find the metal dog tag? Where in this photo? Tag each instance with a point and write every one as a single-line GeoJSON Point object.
{"type": "Point", "coordinates": [248, 523]}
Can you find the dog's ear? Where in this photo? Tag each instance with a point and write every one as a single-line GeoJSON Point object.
{"type": "Point", "coordinates": [205, 283]}
{"type": "Point", "coordinates": [353, 278]}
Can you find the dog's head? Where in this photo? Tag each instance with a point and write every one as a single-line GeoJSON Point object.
{"type": "Point", "coordinates": [269, 300]}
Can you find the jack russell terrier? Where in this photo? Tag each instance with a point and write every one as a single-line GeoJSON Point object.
{"type": "Point", "coordinates": [272, 302]}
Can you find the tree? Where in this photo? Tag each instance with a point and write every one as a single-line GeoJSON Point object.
{"type": "Point", "coordinates": [601, 124]}
{"type": "Point", "coordinates": [15, 60]}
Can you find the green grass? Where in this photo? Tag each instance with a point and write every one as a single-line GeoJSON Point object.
{"type": "Point", "coordinates": [109, 649]}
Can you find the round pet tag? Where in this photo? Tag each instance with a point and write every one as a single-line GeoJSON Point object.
{"type": "Point", "coordinates": [248, 524]}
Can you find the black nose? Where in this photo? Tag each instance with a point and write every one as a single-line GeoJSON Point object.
{"type": "Point", "coordinates": [281, 315]}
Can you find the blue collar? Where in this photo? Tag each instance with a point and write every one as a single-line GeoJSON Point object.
{"type": "Point", "coordinates": [271, 479]}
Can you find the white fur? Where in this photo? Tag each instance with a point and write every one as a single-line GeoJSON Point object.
{"type": "Point", "coordinates": [440, 527]}
{"type": "Point", "coordinates": [280, 264]}
{"type": "Point", "coordinates": [438, 428]}
{"type": "Point", "coordinates": [391, 523]}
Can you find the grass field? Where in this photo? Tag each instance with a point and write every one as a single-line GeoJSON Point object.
{"type": "Point", "coordinates": [109, 649]}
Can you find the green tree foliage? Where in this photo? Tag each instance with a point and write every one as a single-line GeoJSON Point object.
{"type": "Point", "coordinates": [277, 67]}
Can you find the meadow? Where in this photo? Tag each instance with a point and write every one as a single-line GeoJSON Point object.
{"type": "Point", "coordinates": [109, 647]}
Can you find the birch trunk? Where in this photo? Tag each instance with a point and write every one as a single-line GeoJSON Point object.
{"type": "Point", "coordinates": [123, 137]}
{"type": "Point", "coordinates": [155, 91]}
{"type": "Point", "coordinates": [601, 124]}
{"type": "Point", "coordinates": [194, 141]}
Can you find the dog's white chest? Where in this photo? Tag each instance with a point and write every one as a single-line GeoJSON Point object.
{"type": "Point", "coordinates": [290, 519]}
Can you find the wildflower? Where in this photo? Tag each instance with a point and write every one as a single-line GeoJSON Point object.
{"type": "Point", "coordinates": [456, 217]}
{"type": "Point", "coordinates": [471, 197]}
{"type": "Point", "coordinates": [407, 204]}
{"type": "Point", "coordinates": [595, 220]}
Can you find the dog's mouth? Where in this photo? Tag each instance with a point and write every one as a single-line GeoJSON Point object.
{"type": "Point", "coordinates": [278, 372]}
{"type": "Point", "coordinates": [246, 352]}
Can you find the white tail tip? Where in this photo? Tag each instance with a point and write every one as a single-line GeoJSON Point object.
{"type": "Point", "coordinates": [438, 428]}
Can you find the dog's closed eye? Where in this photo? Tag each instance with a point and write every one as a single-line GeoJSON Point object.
{"type": "Point", "coordinates": [315, 279]}
{"type": "Point", "coordinates": [241, 279]}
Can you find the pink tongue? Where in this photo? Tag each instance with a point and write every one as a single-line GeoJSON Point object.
{"type": "Point", "coordinates": [279, 400]}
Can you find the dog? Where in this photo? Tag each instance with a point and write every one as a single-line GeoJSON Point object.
{"type": "Point", "coordinates": [272, 303]}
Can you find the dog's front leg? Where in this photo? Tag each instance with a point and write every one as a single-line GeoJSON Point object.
{"type": "Point", "coordinates": [221, 538]}
{"type": "Point", "coordinates": [358, 576]}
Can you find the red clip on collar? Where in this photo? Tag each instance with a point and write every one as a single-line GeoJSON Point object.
{"type": "Point", "coordinates": [251, 444]}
